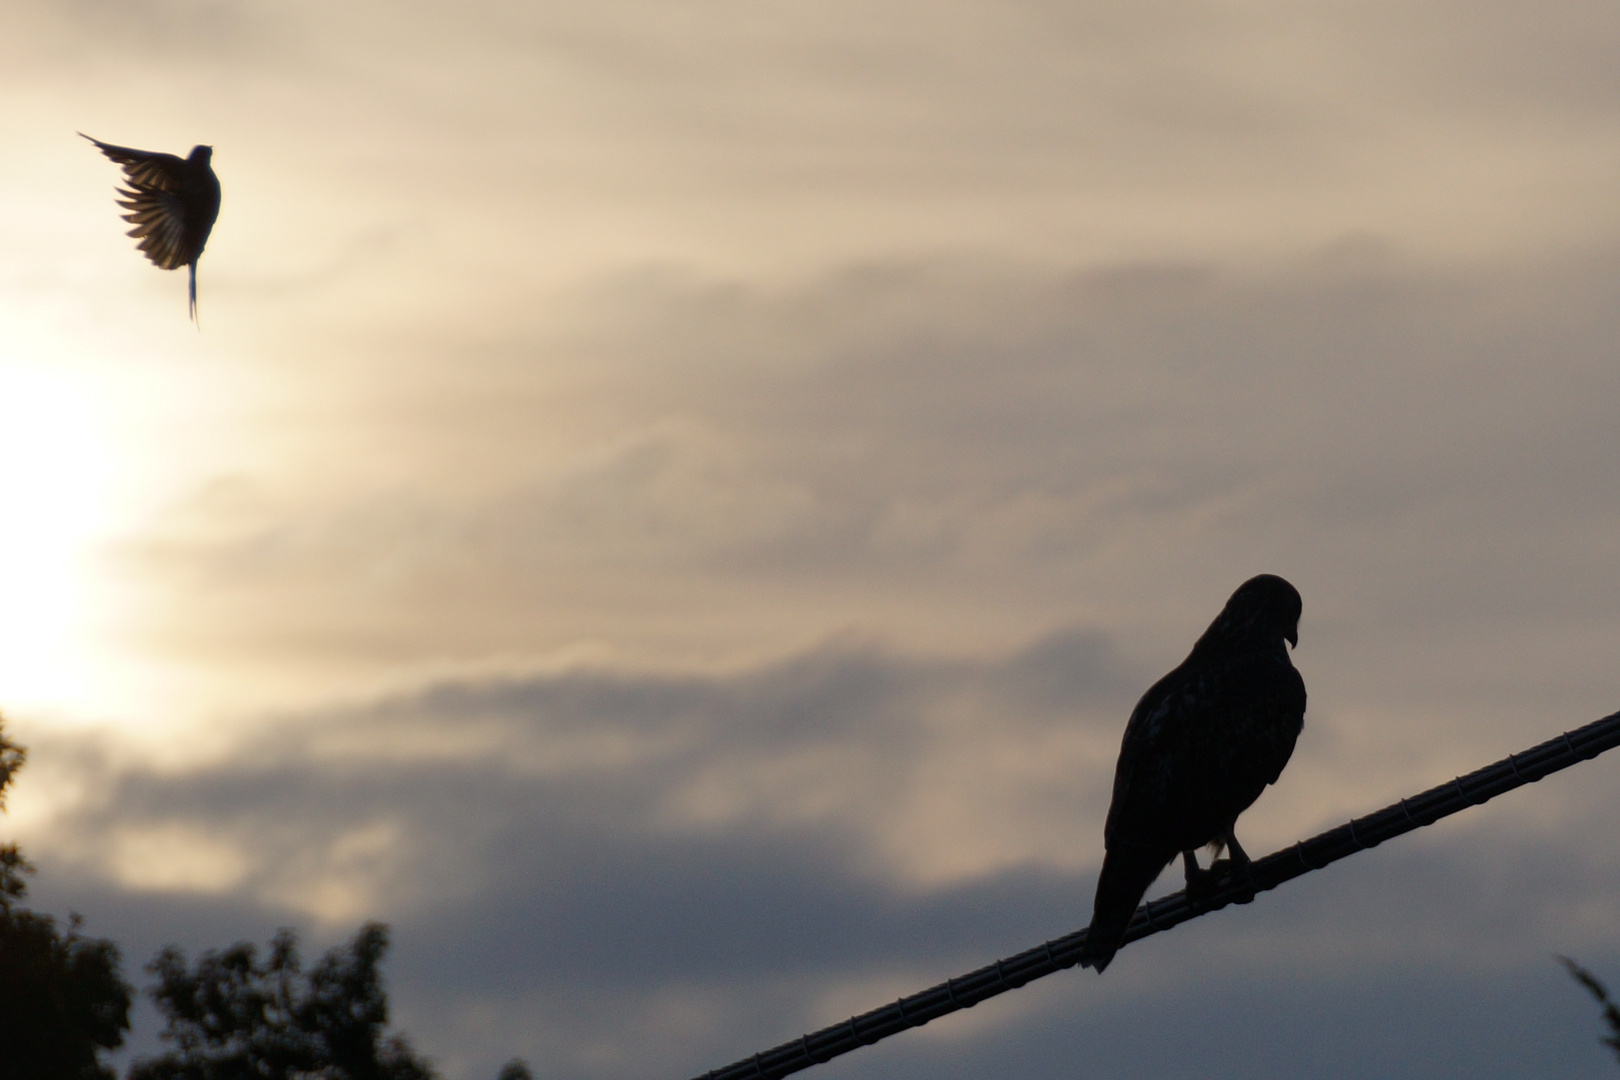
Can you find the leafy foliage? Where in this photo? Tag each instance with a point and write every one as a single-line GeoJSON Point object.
{"type": "Point", "coordinates": [12, 757]}
{"type": "Point", "coordinates": [233, 1017]}
{"type": "Point", "coordinates": [62, 999]}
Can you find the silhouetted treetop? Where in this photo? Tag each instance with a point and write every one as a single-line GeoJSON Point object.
{"type": "Point", "coordinates": [12, 757]}
{"type": "Point", "coordinates": [13, 866]}
{"type": "Point", "coordinates": [233, 1016]}
{"type": "Point", "coordinates": [62, 999]}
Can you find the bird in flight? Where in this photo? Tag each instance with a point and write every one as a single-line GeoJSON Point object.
{"type": "Point", "coordinates": [1200, 747]}
{"type": "Point", "coordinates": [172, 202]}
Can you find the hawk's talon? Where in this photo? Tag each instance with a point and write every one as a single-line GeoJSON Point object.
{"type": "Point", "coordinates": [1228, 871]}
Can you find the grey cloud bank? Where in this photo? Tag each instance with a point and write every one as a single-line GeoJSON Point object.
{"type": "Point", "coordinates": [954, 455]}
{"type": "Point", "coordinates": [649, 875]}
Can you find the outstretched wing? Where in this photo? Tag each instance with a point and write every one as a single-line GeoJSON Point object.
{"type": "Point", "coordinates": [154, 200]}
{"type": "Point", "coordinates": [159, 218]}
{"type": "Point", "coordinates": [145, 168]}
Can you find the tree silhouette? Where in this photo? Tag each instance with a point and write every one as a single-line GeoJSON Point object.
{"type": "Point", "coordinates": [233, 1016]}
{"type": "Point", "coordinates": [62, 999]}
{"type": "Point", "coordinates": [12, 757]}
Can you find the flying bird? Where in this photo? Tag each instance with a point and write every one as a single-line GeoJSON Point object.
{"type": "Point", "coordinates": [173, 203]}
{"type": "Point", "coordinates": [1200, 747]}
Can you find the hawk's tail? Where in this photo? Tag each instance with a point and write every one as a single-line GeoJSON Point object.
{"type": "Point", "coordinates": [1124, 880]}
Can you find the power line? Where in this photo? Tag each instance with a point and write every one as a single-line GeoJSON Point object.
{"type": "Point", "coordinates": [966, 991]}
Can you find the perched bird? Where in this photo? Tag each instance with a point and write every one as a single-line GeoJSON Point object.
{"type": "Point", "coordinates": [1201, 745]}
{"type": "Point", "coordinates": [173, 203]}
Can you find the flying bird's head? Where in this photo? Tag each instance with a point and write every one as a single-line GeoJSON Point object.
{"type": "Point", "coordinates": [201, 155]}
{"type": "Point", "coordinates": [1264, 609]}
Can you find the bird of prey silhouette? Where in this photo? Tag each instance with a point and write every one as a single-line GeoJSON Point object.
{"type": "Point", "coordinates": [173, 203]}
{"type": "Point", "coordinates": [1200, 747]}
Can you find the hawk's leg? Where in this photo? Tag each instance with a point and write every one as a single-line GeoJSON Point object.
{"type": "Point", "coordinates": [1236, 866]}
{"type": "Point", "coordinates": [1199, 881]}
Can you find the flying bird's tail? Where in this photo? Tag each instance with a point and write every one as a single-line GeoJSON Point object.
{"type": "Point", "coordinates": [1123, 882]}
{"type": "Point", "coordinates": [192, 310]}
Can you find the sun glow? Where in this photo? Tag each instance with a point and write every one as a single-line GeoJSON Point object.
{"type": "Point", "coordinates": [53, 473]}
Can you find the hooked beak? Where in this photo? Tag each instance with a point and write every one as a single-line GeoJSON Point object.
{"type": "Point", "coordinates": [1292, 637]}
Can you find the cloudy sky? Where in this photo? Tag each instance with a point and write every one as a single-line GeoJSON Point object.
{"type": "Point", "coordinates": [671, 504]}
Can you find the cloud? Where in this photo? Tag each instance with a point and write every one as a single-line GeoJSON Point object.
{"type": "Point", "coordinates": [619, 873]}
{"type": "Point", "coordinates": [842, 743]}
{"type": "Point", "coordinates": [952, 454]}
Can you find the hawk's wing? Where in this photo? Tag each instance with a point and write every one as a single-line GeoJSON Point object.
{"type": "Point", "coordinates": [145, 168]}
{"type": "Point", "coordinates": [160, 225]}
{"type": "Point", "coordinates": [153, 198]}
{"type": "Point", "coordinates": [1204, 741]}
{"type": "Point", "coordinates": [1155, 724]}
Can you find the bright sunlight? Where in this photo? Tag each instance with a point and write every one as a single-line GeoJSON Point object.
{"type": "Point", "coordinates": [53, 471]}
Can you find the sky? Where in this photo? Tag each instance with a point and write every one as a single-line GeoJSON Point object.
{"type": "Point", "coordinates": [670, 506]}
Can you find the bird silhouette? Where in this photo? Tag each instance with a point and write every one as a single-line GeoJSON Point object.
{"type": "Point", "coordinates": [1200, 747]}
{"type": "Point", "coordinates": [173, 203]}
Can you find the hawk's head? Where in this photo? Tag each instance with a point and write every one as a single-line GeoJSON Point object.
{"type": "Point", "coordinates": [1264, 609]}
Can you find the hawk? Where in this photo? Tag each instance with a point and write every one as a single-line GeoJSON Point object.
{"type": "Point", "coordinates": [173, 203]}
{"type": "Point", "coordinates": [1200, 746]}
